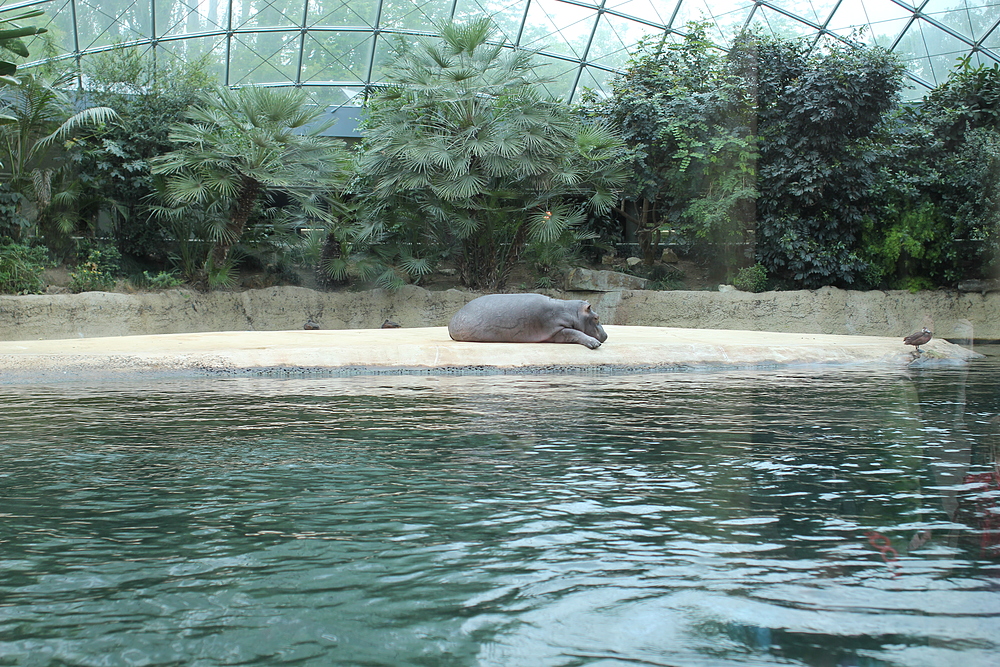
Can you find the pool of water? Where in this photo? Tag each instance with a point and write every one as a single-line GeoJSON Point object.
{"type": "Point", "coordinates": [793, 517]}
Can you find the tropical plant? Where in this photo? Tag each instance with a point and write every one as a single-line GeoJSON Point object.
{"type": "Point", "coordinates": [11, 33]}
{"type": "Point", "coordinates": [687, 119]}
{"type": "Point", "coordinates": [43, 111]}
{"type": "Point", "coordinates": [463, 154]}
{"type": "Point", "coordinates": [22, 267]}
{"type": "Point", "coordinates": [940, 185]}
{"type": "Point", "coordinates": [237, 148]}
{"type": "Point", "coordinates": [160, 280]}
{"type": "Point", "coordinates": [751, 279]}
{"type": "Point", "coordinates": [112, 164]}
{"type": "Point", "coordinates": [818, 118]}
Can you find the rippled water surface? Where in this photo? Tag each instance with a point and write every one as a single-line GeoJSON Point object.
{"type": "Point", "coordinates": [803, 517]}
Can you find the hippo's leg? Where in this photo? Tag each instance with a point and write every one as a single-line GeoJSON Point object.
{"type": "Point", "coordinates": [575, 336]}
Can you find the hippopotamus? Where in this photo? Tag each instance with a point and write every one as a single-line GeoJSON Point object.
{"type": "Point", "coordinates": [527, 318]}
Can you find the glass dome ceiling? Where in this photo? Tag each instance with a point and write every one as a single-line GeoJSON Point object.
{"type": "Point", "coordinates": [334, 49]}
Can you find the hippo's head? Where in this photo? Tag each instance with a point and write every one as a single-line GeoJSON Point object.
{"type": "Point", "coordinates": [590, 323]}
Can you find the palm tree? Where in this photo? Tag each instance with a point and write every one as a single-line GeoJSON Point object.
{"type": "Point", "coordinates": [238, 145]}
{"type": "Point", "coordinates": [465, 151]}
{"type": "Point", "coordinates": [11, 33]}
{"type": "Point", "coordinates": [41, 113]}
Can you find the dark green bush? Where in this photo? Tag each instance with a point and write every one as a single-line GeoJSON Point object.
{"type": "Point", "coordinates": [21, 268]}
{"type": "Point", "coordinates": [817, 115]}
{"type": "Point", "coordinates": [751, 279]}
{"type": "Point", "coordinates": [938, 185]}
{"type": "Point", "coordinates": [687, 118]}
{"type": "Point", "coordinates": [98, 272]}
{"type": "Point", "coordinates": [160, 280]}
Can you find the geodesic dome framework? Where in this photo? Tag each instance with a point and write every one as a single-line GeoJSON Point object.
{"type": "Point", "coordinates": [335, 49]}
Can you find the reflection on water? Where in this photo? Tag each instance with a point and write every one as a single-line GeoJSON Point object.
{"type": "Point", "coordinates": [827, 517]}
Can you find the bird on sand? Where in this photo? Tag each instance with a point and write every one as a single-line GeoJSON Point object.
{"type": "Point", "coordinates": [917, 339]}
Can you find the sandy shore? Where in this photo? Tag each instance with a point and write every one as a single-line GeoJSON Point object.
{"type": "Point", "coordinates": [430, 350]}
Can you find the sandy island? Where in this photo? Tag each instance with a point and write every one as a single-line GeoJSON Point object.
{"type": "Point", "coordinates": [429, 350]}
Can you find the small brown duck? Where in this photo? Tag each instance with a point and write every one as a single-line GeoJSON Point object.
{"type": "Point", "coordinates": [919, 338]}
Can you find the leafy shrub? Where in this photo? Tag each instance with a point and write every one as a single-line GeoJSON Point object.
{"type": "Point", "coordinates": [161, 280]}
{"type": "Point", "coordinates": [938, 186]}
{"type": "Point", "coordinates": [817, 117]}
{"type": "Point", "coordinates": [686, 117]}
{"type": "Point", "coordinates": [21, 268]}
{"type": "Point", "coordinates": [11, 220]}
{"type": "Point", "coordinates": [751, 279]}
{"type": "Point", "coordinates": [99, 272]}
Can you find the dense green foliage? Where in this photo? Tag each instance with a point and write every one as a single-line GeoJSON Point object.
{"type": "Point", "coordinates": [939, 184]}
{"type": "Point", "coordinates": [779, 164]}
{"type": "Point", "coordinates": [804, 159]}
{"type": "Point", "coordinates": [464, 154]}
{"type": "Point", "coordinates": [236, 152]}
{"type": "Point", "coordinates": [112, 164]}
{"type": "Point", "coordinates": [751, 279]}
{"type": "Point", "coordinates": [21, 268]}
{"type": "Point", "coordinates": [11, 32]}
{"type": "Point", "coordinates": [45, 116]}
{"type": "Point", "coordinates": [99, 270]}
{"type": "Point", "coordinates": [687, 117]}
{"type": "Point", "coordinates": [818, 115]}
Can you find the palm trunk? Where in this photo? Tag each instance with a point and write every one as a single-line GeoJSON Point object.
{"type": "Point", "coordinates": [246, 200]}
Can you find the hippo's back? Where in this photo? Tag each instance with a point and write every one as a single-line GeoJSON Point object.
{"type": "Point", "coordinates": [515, 318]}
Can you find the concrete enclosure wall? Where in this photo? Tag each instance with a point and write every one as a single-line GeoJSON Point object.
{"type": "Point", "coordinates": [950, 314]}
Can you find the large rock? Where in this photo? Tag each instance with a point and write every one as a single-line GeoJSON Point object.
{"type": "Point", "coordinates": [588, 280]}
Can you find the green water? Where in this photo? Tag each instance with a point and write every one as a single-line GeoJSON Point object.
{"type": "Point", "coordinates": [798, 517]}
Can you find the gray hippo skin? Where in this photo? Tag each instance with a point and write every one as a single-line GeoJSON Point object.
{"type": "Point", "coordinates": [527, 318]}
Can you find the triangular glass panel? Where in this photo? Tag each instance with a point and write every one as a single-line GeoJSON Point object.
{"type": "Point", "coordinates": [992, 40]}
{"type": "Point", "coordinates": [336, 57]}
{"type": "Point", "coordinates": [341, 13]}
{"type": "Point", "coordinates": [920, 73]}
{"type": "Point", "coordinates": [656, 12]}
{"type": "Point", "coordinates": [385, 52]}
{"type": "Point", "coordinates": [779, 25]}
{"type": "Point", "coordinates": [560, 76]}
{"type": "Point", "coordinates": [951, 13]}
{"type": "Point", "coordinates": [192, 49]}
{"type": "Point", "coordinates": [58, 20]}
{"type": "Point", "coordinates": [506, 15]}
{"type": "Point", "coordinates": [727, 17]}
{"type": "Point", "coordinates": [855, 19]}
{"type": "Point", "coordinates": [970, 18]}
{"type": "Point", "coordinates": [263, 57]}
{"type": "Point", "coordinates": [250, 14]}
{"type": "Point", "coordinates": [943, 65]}
{"type": "Point", "coordinates": [912, 46]}
{"type": "Point", "coordinates": [190, 17]}
{"type": "Point", "coordinates": [596, 81]}
{"type": "Point", "coordinates": [814, 11]}
{"type": "Point", "coordinates": [613, 35]}
{"type": "Point", "coordinates": [558, 28]}
{"type": "Point", "coordinates": [926, 39]}
{"type": "Point", "coordinates": [420, 15]}
{"type": "Point", "coordinates": [101, 25]}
